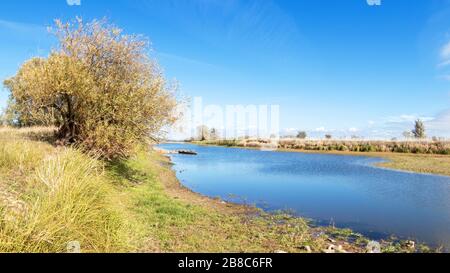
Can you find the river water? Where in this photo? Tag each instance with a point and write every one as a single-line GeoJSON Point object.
{"type": "Point", "coordinates": [347, 191]}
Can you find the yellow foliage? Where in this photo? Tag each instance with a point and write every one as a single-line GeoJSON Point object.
{"type": "Point", "coordinates": [99, 88]}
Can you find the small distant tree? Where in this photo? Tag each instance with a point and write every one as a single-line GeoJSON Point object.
{"type": "Point", "coordinates": [203, 133]}
{"type": "Point", "coordinates": [302, 135]}
{"type": "Point", "coordinates": [328, 136]}
{"type": "Point", "coordinates": [213, 134]}
{"type": "Point", "coordinates": [419, 130]}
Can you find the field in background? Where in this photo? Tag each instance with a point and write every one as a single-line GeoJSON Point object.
{"type": "Point", "coordinates": [415, 147]}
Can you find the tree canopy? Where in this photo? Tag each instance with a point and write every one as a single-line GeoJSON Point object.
{"type": "Point", "coordinates": [419, 130]}
{"type": "Point", "coordinates": [302, 135]}
{"type": "Point", "coordinates": [100, 89]}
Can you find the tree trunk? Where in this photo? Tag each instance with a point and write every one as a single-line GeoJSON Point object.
{"type": "Point", "coordinates": [68, 132]}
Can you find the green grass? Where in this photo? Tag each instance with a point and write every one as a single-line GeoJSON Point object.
{"type": "Point", "coordinates": [433, 164]}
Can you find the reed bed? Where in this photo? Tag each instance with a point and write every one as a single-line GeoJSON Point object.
{"type": "Point", "coordinates": [414, 147]}
{"type": "Point", "coordinates": [29, 133]}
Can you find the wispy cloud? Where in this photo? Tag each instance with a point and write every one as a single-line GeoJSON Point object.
{"type": "Point", "coordinates": [444, 77]}
{"type": "Point", "coordinates": [444, 62]}
{"type": "Point", "coordinates": [184, 59]}
{"type": "Point", "coordinates": [407, 118]}
{"type": "Point", "coordinates": [441, 123]}
{"type": "Point", "coordinates": [35, 38]}
{"type": "Point", "coordinates": [445, 51]}
{"type": "Point", "coordinates": [320, 130]}
{"type": "Point", "coordinates": [19, 27]}
{"type": "Point", "coordinates": [263, 23]}
{"type": "Point", "coordinates": [29, 40]}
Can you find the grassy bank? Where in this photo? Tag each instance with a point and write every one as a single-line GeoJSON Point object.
{"type": "Point", "coordinates": [430, 164]}
{"type": "Point", "coordinates": [407, 158]}
{"type": "Point", "coordinates": [50, 196]}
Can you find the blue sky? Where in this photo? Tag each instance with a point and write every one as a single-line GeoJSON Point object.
{"type": "Point", "coordinates": [342, 67]}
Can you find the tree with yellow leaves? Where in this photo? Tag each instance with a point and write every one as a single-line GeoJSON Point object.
{"type": "Point", "coordinates": [100, 89]}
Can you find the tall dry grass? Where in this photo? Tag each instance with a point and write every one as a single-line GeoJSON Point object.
{"type": "Point", "coordinates": [52, 196]}
{"type": "Point", "coordinates": [417, 147]}
{"type": "Point", "coordinates": [30, 133]}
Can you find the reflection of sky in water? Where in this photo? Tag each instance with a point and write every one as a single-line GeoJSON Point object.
{"type": "Point", "coordinates": [344, 189]}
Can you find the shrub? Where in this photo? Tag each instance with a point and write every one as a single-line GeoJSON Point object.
{"type": "Point", "coordinates": [99, 88]}
{"type": "Point", "coordinates": [302, 135]}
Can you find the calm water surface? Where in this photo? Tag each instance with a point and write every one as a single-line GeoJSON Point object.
{"type": "Point", "coordinates": [345, 190]}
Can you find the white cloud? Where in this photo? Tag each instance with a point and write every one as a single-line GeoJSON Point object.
{"type": "Point", "coordinates": [445, 61]}
{"type": "Point", "coordinates": [290, 130]}
{"type": "Point", "coordinates": [407, 118]}
{"type": "Point", "coordinates": [184, 59]}
{"type": "Point", "coordinates": [320, 130]}
{"type": "Point", "coordinates": [441, 123]}
{"type": "Point", "coordinates": [445, 52]}
{"type": "Point", "coordinates": [74, 2]}
{"type": "Point", "coordinates": [22, 27]}
{"type": "Point", "coordinates": [445, 77]}
{"type": "Point", "coordinates": [18, 32]}
{"type": "Point", "coordinates": [353, 130]}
